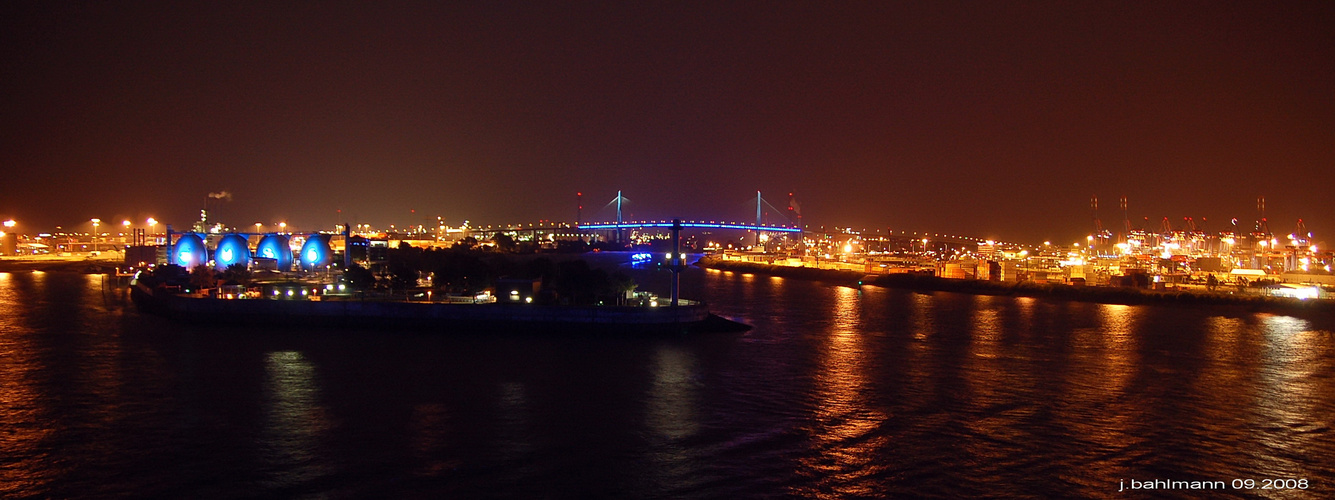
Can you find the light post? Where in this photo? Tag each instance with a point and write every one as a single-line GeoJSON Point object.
{"type": "Point", "coordinates": [257, 227]}
{"type": "Point", "coordinates": [282, 226]}
{"type": "Point", "coordinates": [95, 223]}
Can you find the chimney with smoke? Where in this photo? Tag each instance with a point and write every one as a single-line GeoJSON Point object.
{"type": "Point", "coordinates": [212, 206]}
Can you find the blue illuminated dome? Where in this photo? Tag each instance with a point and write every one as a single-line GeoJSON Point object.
{"type": "Point", "coordinates": [189, 251]}
{"type": "Point", "coordinates": [233, 249]}
{"type": "Point", "coordinates": [276, 247]}
{"type": "Point", "coordinates": [316, 252]}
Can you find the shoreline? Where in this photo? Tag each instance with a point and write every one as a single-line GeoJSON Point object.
{"type": "Point", "coordinates": [65, 264]}
{"type": "Point", "coordinates": [1058, 291]}
{"type": "Point", "coordinates": [914, 282]}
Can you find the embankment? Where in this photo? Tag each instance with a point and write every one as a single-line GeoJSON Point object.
{"type": "Point", "coordinates": [1104, 295]}
{"type": "Point", "coordinates": [72, 265]}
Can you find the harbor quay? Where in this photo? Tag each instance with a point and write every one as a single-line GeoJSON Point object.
{"type": "Point", "coordinates": [1259, 262]}
{"type": "Point", "coordinates": [1252, 265]}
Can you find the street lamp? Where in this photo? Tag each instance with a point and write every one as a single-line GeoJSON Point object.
{"type": "Point", "coordinates": [95, 223]}
{"type": "Point", "coordinates": [258, 226]}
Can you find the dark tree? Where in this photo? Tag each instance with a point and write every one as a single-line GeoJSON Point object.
{"type": "Point", "coordinates": [236, 273]}
{"type": "Point", "coordinates": [504, 243]}
{"type": "Point", "coordinates": [202, 277]}
{"type": "Point", "coordinates": [468, 243]}
{"type": "Point", "coordinates": [170, 274]}
{"type": "Point", "coordinates": [568, 246]}
{"type": "Point", "coordinates": [462, 271]}
{"type": "Point", "coordinates": [359, 278]}
{"type": "Point", "coordinates": [577, 283]}
{"type": "Point", "coordinates": [402, 276]}
{"type": "Point", "coordinates": [406, 256]}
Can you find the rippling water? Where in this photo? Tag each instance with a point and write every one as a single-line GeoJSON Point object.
{"type": "Point", "coordinates": [837, 392]}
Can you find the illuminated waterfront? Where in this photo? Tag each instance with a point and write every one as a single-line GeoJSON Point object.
{"type": "Point", "coordinates": [837, 391]}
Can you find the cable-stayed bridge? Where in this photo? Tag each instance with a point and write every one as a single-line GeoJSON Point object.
{"type": "Point", "coordinates": [620, 223]}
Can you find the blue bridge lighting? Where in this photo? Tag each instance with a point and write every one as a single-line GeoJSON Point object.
{"type": "Point", "coordinates": [685, 224]}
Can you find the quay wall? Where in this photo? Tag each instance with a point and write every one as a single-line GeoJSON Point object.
{"type": "Point", "coordinates": [434, 316]}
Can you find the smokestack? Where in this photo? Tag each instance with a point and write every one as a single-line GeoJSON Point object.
{"type": "Point", "coordinates": [223, 195]}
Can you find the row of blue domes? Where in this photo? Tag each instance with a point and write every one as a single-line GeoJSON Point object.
{"type": "Point", "coordinates": [190, 251]}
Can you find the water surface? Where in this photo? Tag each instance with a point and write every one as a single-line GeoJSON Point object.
{"type": "Point", "coordinates": [837, 392]}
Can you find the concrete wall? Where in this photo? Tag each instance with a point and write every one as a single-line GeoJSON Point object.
{"type": "Point", "coordinates": [319, 312]}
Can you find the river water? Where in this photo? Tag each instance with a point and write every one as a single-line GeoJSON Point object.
{"type": "Point", "coordinates": [836, 393]}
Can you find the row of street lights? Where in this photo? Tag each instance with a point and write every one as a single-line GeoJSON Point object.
{"type": "Point", "coordinates": [259, 227]}
{"type": "Point", "coordinates": [152, 224]}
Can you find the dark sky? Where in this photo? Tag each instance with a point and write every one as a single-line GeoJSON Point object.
{"type": "Point", "coordinates": [995, 119]}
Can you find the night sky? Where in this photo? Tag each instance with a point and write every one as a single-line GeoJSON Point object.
{"type": "Point", "coordinates": [994, 119]}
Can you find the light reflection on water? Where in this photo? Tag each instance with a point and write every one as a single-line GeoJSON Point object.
{"type": "Point", "coordinates": [430, 426]}
{"type": "Point", "coordinates": [672, 416]}
{"type": "Point", "coordinates": [837, 392]}
{"type": "Point", "coordinates": [671, 413]}
{"type": "Point", "coordinates": [295, 421]}
{"type": "Point", "coordinates": [514, 422]}
{"type": "Point", "coordinates": [1115, 356]}
{"type": "Point", "coordinates": [845, 448]}
{"type": "Point", "coordinates": [27, 467]}
{"type": "Point", "coordinates": [1292, 389]}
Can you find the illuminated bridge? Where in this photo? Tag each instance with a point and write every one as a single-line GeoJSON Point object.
{"type": "Point", "coordinates": [689, 224]}
{"type": "Point", "coordinates": [676, 225]}
{"type": "Point", "coordinates": [564, 230]}
{"type": "Point", "coordinates": [568, 230]}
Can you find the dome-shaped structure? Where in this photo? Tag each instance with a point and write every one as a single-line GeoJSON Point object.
{"type": "Point", "coordinates": [316, 253]}
{"type": "Point", "coordinates": [276, 247]}
{"type": "Point", "coordinates": [189, 251]}
{"type": "Point", "coordinates": [232, 249]}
